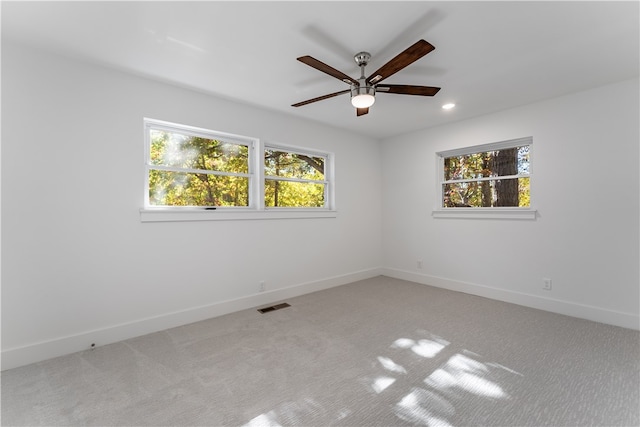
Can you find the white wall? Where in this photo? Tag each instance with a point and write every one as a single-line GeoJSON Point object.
{"type": "Point", "coordinates": [79, 267]}
{"type": "Point", "coordinates": [585, 186]}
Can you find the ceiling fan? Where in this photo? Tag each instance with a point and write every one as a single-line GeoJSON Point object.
{"type": "Point", "coordinates": [363, 90]}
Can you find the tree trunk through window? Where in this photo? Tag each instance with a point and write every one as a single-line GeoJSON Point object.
{"type": "Point", "coordinates": [506, 163]}
{"type": "Point", "coordinates": [487, 166]}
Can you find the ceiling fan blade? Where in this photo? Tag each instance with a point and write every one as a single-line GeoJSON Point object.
{"type": "Point", "coordinates": [407, 57]}
{"type": "Point", "coordinates": [321, 66]}
{"type": "Point", "coordinates": [408, 89]}
{"type": "Point", "coordinates": [362, 111]}
{"type": "Point", "coordinates": [320, 98]}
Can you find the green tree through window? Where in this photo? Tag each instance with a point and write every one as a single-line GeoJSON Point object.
{"type": "Point", "coordinates": [194, 171]}
{"type": "Point", "coordinates": [293, 180]}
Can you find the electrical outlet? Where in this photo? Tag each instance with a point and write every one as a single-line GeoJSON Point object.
{"type": "Point", "coordinates": [546, 284]}
{"type": "Point", "coordinates": [262, 286]}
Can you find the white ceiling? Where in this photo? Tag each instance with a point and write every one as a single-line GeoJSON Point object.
{"type": "Point", "coordinates": [489, 56]}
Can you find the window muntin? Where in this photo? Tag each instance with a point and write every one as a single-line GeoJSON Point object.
{"type": "Point", "coordinates": [295, 179]}
{"type": "Point", "coordinates": [489, 176]}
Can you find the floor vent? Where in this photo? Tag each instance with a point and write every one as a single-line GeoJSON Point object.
{"type": "Point", "coordinates": [273, 308]}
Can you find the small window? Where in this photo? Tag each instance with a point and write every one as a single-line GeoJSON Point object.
{"type": "Point", "coordinates": [489, 176]}
{"type": "Point", "coordinates": [197, 168]}
{"type": "Point", "coordinates": [295, 179]}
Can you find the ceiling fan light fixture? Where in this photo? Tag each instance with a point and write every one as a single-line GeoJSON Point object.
{"type": "Point", "coordinates": [363, 96]}
{"type": "Point", "coordinates": [363, 101]}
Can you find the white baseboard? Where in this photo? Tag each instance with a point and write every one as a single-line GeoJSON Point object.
{"type": "Point", "coordinates": [15, 357]}
{"type": "Point", "coordinates": [610, 317]}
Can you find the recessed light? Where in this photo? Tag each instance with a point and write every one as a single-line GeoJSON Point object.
{"type": "Point", "coordinates": [448, 106]}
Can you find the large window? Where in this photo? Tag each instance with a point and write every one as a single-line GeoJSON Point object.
{"type": "Point", "coordinates": [191, 169]}
{"type": "Point", "coordinates": [493, 176]}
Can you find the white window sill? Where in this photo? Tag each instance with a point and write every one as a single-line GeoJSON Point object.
{"type": "Point", "coordinates": [169, 215]}
{"type": "Point", "coordinates": [486, 213]}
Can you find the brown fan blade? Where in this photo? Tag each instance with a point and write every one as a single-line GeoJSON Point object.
{"type": "Point", "coordinates": [321, 66]}
{"type": "Point", "coordinates": [320, 98]}
{"type": "Point", "coordinates": [362, 111]}
{"type": "Point", "coordinates": [408, 89]}
{"type": "Point", "coordinates": [407, 57]}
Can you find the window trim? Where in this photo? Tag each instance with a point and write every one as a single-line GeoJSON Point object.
{"type": "Point", "coordinates": [500, 212]}
{"type": "Point", "coordinates": [256, 209]}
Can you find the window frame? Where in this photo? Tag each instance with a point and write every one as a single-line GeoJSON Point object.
{"type": "Point", "coordinates": [250, 143]}
{"type": "Point", "coordinates": [498, 212]}
{"type": "Point", "coordinates": [256, 205]}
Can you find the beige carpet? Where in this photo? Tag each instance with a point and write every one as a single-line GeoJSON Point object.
{"type": "Point", "coordinates": [379, 352]}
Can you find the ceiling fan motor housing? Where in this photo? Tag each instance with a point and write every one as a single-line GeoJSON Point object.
{"type": "Point", "coordinates": [362, 96]}
{"type": "Point", "coordinates": [363, 89]}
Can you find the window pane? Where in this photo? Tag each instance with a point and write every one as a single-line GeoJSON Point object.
{"type": "Point", "coordinates": [524, 193]}
{"type": "Point", "coordinates": [510, 161]}
{"type": "Point", "coordinates": [292, 165]}
{"type": "Point", "coordinates": [192, 152]}
{"type": "Point", "coordinates": [493, 193]}
{"type": "Point", "coordinates": [293, 194]}
{"type": "Point", "coordinates": [188, 189]}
